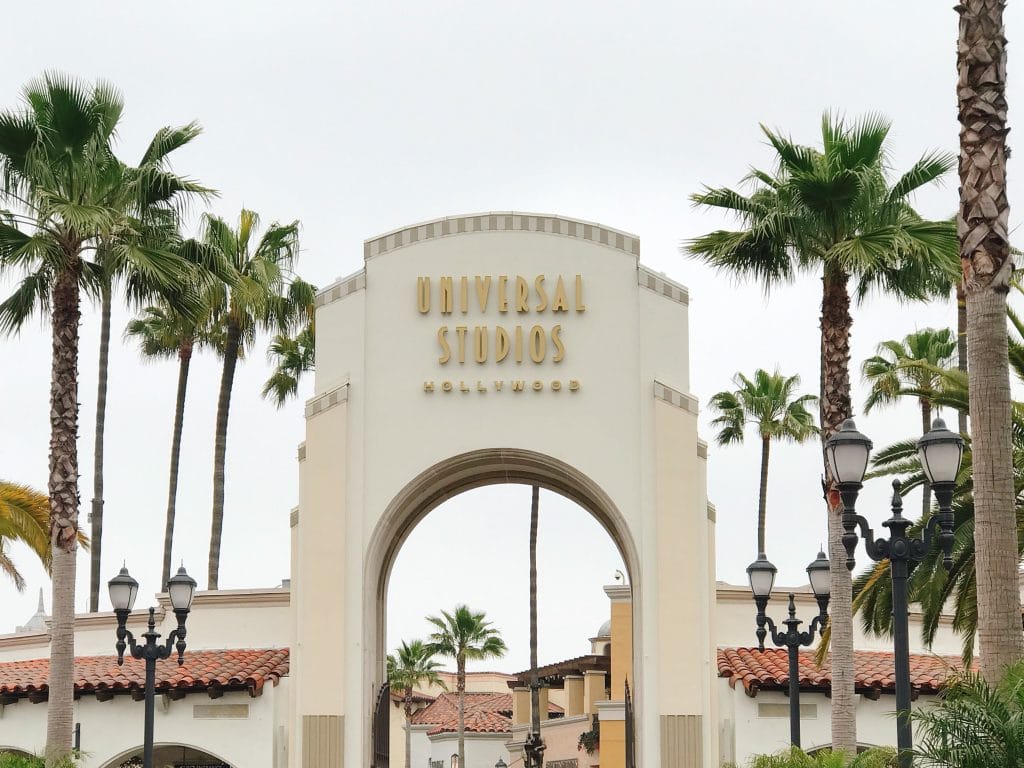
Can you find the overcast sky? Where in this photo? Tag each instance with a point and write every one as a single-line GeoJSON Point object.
{"type": "Point", "coordinates": [361, 117]}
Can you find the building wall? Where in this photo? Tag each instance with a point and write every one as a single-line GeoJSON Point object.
{"type": "Point", "coordinates": [482, 749]}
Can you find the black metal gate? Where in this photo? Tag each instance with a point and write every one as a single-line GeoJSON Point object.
{"type": "Point", "coordinates": [382, 728]}
{"type": "Point", "coordinates": [630, 731]}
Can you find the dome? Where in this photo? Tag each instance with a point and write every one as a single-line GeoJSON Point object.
{"type": "Point", "coordinates": [605, 630]}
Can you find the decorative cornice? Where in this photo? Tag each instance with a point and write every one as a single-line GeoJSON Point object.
{"type": "Point", "coordinates": [676, 398]}
{"type": "Point", "coordinates": [503, 221]}
{"type": "Point", "coordinates": [225, 598]}
{"type": "Point", "coordinates": [320, 403]}
{"type": "Point", "coordinates": [661, 285]}
{"type": "Point", "coordinates": [302, 451]}
{"type": "Point", "coordinates": [293, 518]}
{"type": "Point", "coordinates": [619, 593]}
{"type": "Point", "coordinates": [137, 618]}
{"type": "Point", "coordinates": [702, 448]}
{"type": "Point", "coordinates": [712, 513]}
{"type": "Point", "coordinates": [610, 710]}
{"type": "Point", "coordinates": [341, 288]}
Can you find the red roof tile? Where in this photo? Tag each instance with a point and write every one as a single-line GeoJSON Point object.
{"type": "Point", "coordinates": [873, 670]}
{"type": "Point", "coordinates": [227, 670]}
{"type": "Point", "coordinates": [485, 713]}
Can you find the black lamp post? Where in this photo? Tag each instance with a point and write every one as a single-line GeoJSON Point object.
{"type": "Point", "coordinates": [940, 451]}
{"type": "Point", "coordinates": [123, 590]}
{"type": "Point", "coordinates": [761, 574]}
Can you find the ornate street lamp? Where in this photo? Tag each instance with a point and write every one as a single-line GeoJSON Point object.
{"type": "Point", "coordinates": [500, 764]}
{"type": "Point", "coordinates": [940, 451]}
{"type": "Point", "coordinates": [123, 590]}
{"type": "Point", "coordinates": [761, 574]}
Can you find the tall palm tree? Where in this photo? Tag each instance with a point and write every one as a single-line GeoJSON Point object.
{"type": "Point", "coordinates": [412, 666]}
{"type": "Point", "coordinates": [263, 294]}
{"type": "Point", "coordinates": [834, 212]}
{"type": "Point", "coordinates": [59, 174]}
{"type": "Point", "coordinates": [292, 357]}
{"type": "Point", "coordinates": [164, 333]}
{"type": "Point", "coordinates": [768, 402]}
{"type": "Point", "coordinates": [464, 635]}
{"type": "Point", "coordinates": [534, 747]}
{"type": "Point", "coordinates": [891, 376]}
{"type": "Point", "coordinates": [987, 269]}
{"type": "Point", "coordinates": [153, 195]}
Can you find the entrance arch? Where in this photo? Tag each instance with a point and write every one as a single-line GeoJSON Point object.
{"type": "Point", "coordinates": [501, 347]}
{"type": "Point", "coordinates": [168, 754]}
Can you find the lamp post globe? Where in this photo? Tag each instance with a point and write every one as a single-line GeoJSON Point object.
{"type": "Point", "coordinates": [761, 574]}
{"type": "Point", "coordinates": [940, 451]}
{"type": "Point", "coordinates": [847, 452]}
{"type": "Point", "coordinates": [818, 573]}
{"type": "Point", "coordinates": [500, 764]}
{"type": "Point", "coordinates": [123, 590]}
{"type": "Point", "coordinates": [181, 588]}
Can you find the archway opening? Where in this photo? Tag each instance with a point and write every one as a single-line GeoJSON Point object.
{"type": "Point", "coordinates": [170, 756]}
{"type": "Point", "coordinates": [460, 535]}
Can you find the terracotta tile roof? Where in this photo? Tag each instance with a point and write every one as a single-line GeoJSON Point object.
{"type": "Point", "coordinates": [227, 670]}
{"type": "Point", "coordinates": [485, 713]}
{"type": "Point", "coordinates": [873, 670]}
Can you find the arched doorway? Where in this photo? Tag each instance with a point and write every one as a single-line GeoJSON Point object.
{"type": "Point", "coordinates": [169, 756]}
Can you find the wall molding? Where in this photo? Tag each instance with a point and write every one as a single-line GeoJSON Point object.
{"type": "Point", "coordinates": [663, 286]}
{"type": "Point", "coordinates": [676, 398]}
{"type": "Point", "coordinates": [326, 401]}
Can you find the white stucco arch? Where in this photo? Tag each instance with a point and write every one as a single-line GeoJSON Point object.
{"type": "Point", "coordinates": [489, 348]}
{"type": "Point", "coordinates": [115, 761]}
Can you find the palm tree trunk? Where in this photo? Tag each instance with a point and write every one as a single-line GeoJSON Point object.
{"type": "Point", "coordinates": [762, 501]}
{"type": "Point", "coordinates": [460, 683]}
{"type": "Point", "coordinates": [184, 360]}
{"type": "Point", "coordinates": [96, 518]}
{"type": "Point", "coordinates": [985, 255]}
{"type": "Point", "coordinates": [534, 682]}
{"type": "Point", "coordinates": [835, 408]}
{"type": "Point", "coordinates": [231, 346]}
{"type": "Point", "coordinates": [408, 727]}
{"type": "Point", "coordinates": [63, 490]}
{"type": "Point", "coordinates": [961, 346]}
{"type": "Point", "coordinates": [926, 424]}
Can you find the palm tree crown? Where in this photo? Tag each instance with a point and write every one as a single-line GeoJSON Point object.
{"type": "Point", "coordinates": [769, 402]}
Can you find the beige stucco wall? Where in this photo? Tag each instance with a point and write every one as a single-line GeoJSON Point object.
{"type": "Point", "coordinates": [628, 433]}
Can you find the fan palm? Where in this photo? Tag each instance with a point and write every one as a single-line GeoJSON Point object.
{"type": "Point", "coordinates": [263, 294]}
{"type": "Point", "coordinates": [977, 725]}
{"type": "Point", "coordinates": [24, 517]}
{"type": "Point", "coordinates": [66, 190]}
{"type": "Point", "coordinates": [292, 357]}
{"type": "Point", "coordinates": [412, 666]}
{"type": "Point", "coordinates": [768, 402]}
{"type": "Point", "coordinates": [153, 196]}
{"type": "Point", "coordinates": [835, 212]}
{"type": "Point", "coordinates": [464, 635]}
{"type": "Point", "coordinates": [891, 377]}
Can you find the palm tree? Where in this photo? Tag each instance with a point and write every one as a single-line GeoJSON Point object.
{"type": "Point", "coordinates": [58, 170]}
{"type": "Point", "coordinates": [977, 725]}
{"type": "Point", "coordinates": [164, 333]}
{"type": "Point", "coordinates": [464, 635]}
{"type": "Point", "coordinates": [834, 212]}
{"type": "Point", "coordinates": [891, 376]}
{"type": "Point", "coordinates": [412, 666]}
{"type": "Point", "coordinates": [292, 357]}
{"type": "Point", "coordinates": [263, 294]}
{"type": "Point", "coordinates": [24, 517]}
{"type": "Point", "coordinates": [767, 401]}
{"type": "Point", "coordinates": [987, 269]}
{"type": "Point", "coordinates": [534, 747]}
{"type": "Point", "coordinates": [153, 195]}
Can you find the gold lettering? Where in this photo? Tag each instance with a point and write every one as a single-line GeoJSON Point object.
{"type": "Point", "coordinates": [501, 345]}
{"type": "Point", "coordinates": [446, 349]}
{"type": "Point", "coordinates": [561, 302]}
{"type": "Point", "coordinates": [423, 294]}
{"type": "Point", "coordinates": [574, 385]}
{"type": "Point", "coordinates": [464, 294]}
{"type": "Point", "coordinates": [519, 343]}
{"type": "Point", "coordinates": [497, 386]}
{"type": "Point", "coordinates": [522, 295]}
{"type": "Point", "coordinates": [460, 330]}
{"type": "Point", "coordinates": [480, 343]}
{"type": "Point", "coordinates": [502, 297]}
{"type": "Point", "coordinates": [446, 386]}
{"type": "Point", "coordinates": [483, 291]}
{"type": "Point", "coordinates": [580, 306]}
{"type": "Point", "coordinates": [481, 387]}
{"type": "Point", "coordinates": [447, 301]}
{"type": "Point", "coordinates": [556, 339]}
{"type": "Point", "coordinates": [538, 386]}
{"type": "Point", "coordinates": [556, 385]}
{"type": "Point", "coordinates": [428, 386]}
{"type": "Point", "coordinates": [538, 344]}
{"type": "Point", "coordinates": [538, 285]}
{"type": "Point", "coordinates": [463, 387]}
{"type": "Point", "coordinates": [517, 386]}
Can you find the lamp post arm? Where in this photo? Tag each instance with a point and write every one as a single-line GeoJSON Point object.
{"type": "Point", "coordinates": [779, 638]}
{"type": "Point", "coordinates": [817, 623]}
{"type": "Point", "coordinates": [877, 549]}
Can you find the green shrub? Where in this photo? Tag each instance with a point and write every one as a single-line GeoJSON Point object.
{"type": "Point", "coordinates": [876, 757]}
{"type": "Point", "coordinates": [10, 760]}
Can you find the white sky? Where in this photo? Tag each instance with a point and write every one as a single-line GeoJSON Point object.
{"type": "Point", "coordinates": [361, 117]}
